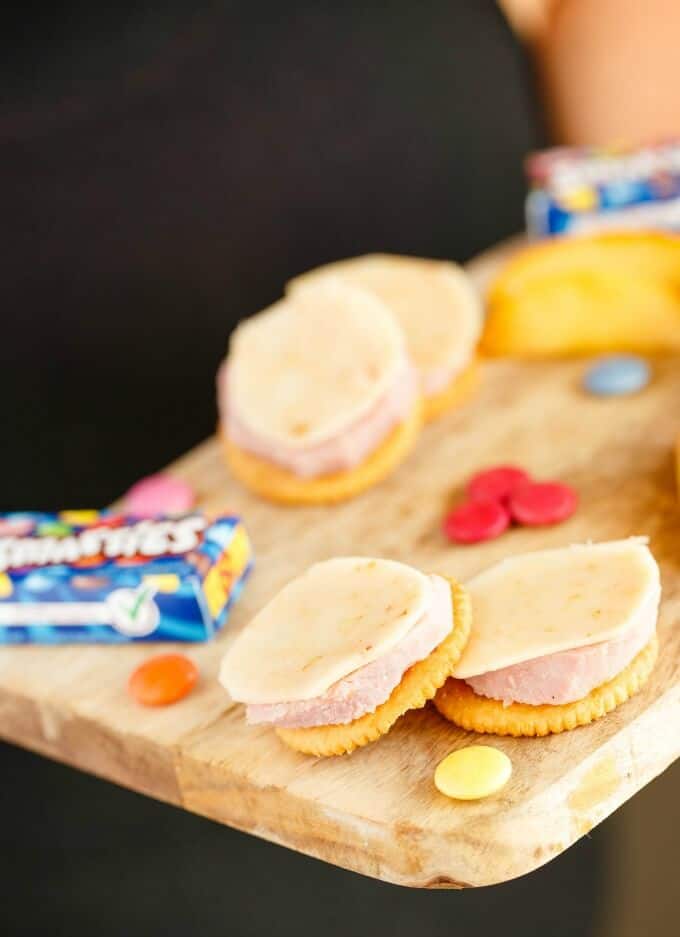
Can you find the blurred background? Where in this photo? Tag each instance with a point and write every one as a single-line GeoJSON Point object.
{"type": "Point", "coordinates": [163, 170]}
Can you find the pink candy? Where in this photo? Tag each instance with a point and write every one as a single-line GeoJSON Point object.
{"type": "Point", "coordinates": [159, 494]}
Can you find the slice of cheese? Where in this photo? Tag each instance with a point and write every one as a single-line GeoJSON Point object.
{"type": "Point", "coordinates": [434, 301]}
{"type": "Point", "coordinates": [337, 616]}
{"type": "Point", "coordinates": [554, 600]}
{"type": "Point", "coordinates": [595, 287]}
{"type": "Point", "coordinates": [310, 366]}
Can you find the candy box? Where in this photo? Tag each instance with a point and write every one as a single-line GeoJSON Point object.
{"type": "Point", "coordinates": [581, 190]}
{"type": "Point", "coordinates": [98, 577]}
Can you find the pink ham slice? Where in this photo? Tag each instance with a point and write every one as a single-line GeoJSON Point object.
{"type": "Point", "coordinates": [437, 379]}
{"type": "Point", "coordinates": [348, 449]}
{"type": "Point", "coordinates": [568, 675]}
{"type": "Point", "coordinates": [369, 686]}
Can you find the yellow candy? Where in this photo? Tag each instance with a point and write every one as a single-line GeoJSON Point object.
{"type": "Point", "coordinates": [79, 518]}
{"type": "Point", "coordinates": [5, 586]}
{"type": "Point", "coordinates": [472, 773]}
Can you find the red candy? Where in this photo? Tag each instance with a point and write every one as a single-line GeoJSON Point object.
{"type": "Point", "coordinates": [476, 521]}
{"type": "Point", "coordinates": [538, 503]}
{"type": "Point", "coordinates": [503, 494]}
{"type": "Point", "coordinates": [496, 484]}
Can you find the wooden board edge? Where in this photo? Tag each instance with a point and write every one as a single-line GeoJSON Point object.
{"type": "Point", "coordinates": [488, 851]}
{"type": "Point", "coordinates": [564, 812]}
{"type": "Point", "coordinates": [485, 852]}
{"type": "Point", "coordinates": [358, 844]}
{"type": "Point", "coordinates": [56, 732]}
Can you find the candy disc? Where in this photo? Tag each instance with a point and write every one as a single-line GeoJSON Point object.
{"type": "Point", "coordinates": [159, 494]}
{"type": "Point", "coordinates": [475, 521]}
{"type": "Point", "coordinates": [473, 772]}
{"type": "Point", "coordinates": [538, 503]}
{"type": "Point", "coordinates": [496, 484]}
{"type": "Point", "coordinates": [163, 679]}
{"type": "Point", "coordinates": [616, 375]}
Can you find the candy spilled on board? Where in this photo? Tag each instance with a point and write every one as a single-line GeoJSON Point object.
{"type": "Point", "coordinates": [498, 496]}
{"type": "Point", "coordinates": [539, 503]}
{"type": "Point", "coordinates": [162, 680]}
{"type": "Point", "coordinates": [496, 484]}
{"type": "Point", "coordinates": [617, 375]}
{"type": "Point", "coordinates": [476, 521]}
{"type": "Point", "coordinates": [159, 494]}
{"type": "Point", "coordinates": [473, 773]}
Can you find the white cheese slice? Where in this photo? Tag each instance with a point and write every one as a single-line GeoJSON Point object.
{"type": "Point", "coordinates": [337, 616]}
{"type": "Point", "coordinates": [553, 600]}
{"type": "Point", "coordinates": [310, 366]}
{"type": "Point", "coordinates": [434, 301]}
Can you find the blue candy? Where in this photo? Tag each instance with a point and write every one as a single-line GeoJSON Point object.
{"type": "Point", "coordinates": [616, 375]}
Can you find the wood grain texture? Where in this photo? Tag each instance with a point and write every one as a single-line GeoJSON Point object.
{"type": "Point", "coordinates": [377, 811]}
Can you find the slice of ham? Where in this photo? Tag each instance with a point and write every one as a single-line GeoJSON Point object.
{"type": "Point", "coordinates": [437, 379]}
{"type": "Point", "coordinates": [345, 451]}
{"type": "Point", "coordinates": [568, 675]}
{"type": "Point", "coordinates": [433, 382]}
{"type": "Point", "coordinates": [366, 688]}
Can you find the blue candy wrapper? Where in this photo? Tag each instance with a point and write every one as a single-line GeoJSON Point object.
{"type": "Point", "coordinates": [95, 577]}
{"type": "Point", "coordinates": [582, 190]}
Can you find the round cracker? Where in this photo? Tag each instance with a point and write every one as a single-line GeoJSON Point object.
{"type": "Point", "coordinates": [454, 394]}
{"type": "Point", "coordinates": [458, 703]}
{"type": "Point", "coordinates": [274, 483]}
{"type": "Point", "coordinates": [418, 685]}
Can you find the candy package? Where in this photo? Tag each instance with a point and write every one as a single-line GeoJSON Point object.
{"type": "Point", "coordinates": [98, 577]}
{"type": "Point", "coordinates": [581, 190]}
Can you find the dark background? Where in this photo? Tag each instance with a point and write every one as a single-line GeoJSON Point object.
{"type": "Point", "coordinates": [163, 174]}
{"type": "Point", "coordinates": [164, 169]}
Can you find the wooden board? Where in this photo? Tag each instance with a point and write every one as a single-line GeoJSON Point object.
{"type": "Point", "coordinates": [376, 811]}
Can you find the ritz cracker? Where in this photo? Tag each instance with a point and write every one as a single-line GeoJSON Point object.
{"type": "Point", "coordinates": [95, 577]}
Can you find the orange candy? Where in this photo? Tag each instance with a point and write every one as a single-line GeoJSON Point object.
{"type": "Point", "coordinates": [163, 679]}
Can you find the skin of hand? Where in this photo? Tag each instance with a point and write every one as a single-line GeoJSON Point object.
{"type": "Point", "coordinates": [608, 69]}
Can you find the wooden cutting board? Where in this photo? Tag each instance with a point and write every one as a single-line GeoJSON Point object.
{"type": "Point", "coordinates": [376, 811]}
